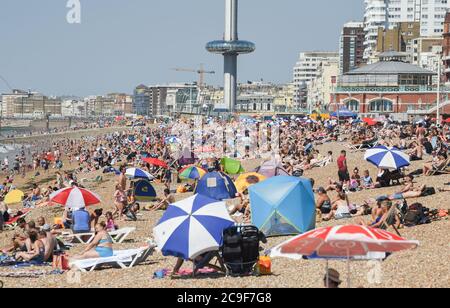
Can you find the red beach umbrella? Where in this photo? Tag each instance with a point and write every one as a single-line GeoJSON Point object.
{"type": "Point", "coordinates": [155, 162]}
{"type": "Point", "coordinates": [75, 197]}
{"type": "Point", "coordinates": [343, 241]}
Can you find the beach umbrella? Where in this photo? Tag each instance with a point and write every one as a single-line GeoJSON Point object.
{"type": "Point", "coordinates": [135, 173]}
{"type": "Point", "coordinates": [387, 158]}
{"type": "Point", "coordinates": [192, 172]}
{"type": "Point", "coordinates": [245, 180]}
{"type": "Point", "coordinates": [172, 140]}
{"type": "Point", "coordinates": [447, 120]}
{"type": "Point", "coordinates": [155, 162]}
{"type": "Point", "coordinates": [75, 197]}
{"type": "Point", "coordinates": [343, 241]}
{"type": "Point", "coordinates": [370, 121]}
{"type": "Point", "coordinates": [192, 227]}
{"type": "Point", "coordinates": [231, 166]}
{"type": "Point", "coordinates": [14, 196]}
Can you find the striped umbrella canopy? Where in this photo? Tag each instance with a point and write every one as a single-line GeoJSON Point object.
{"type": "Point", "coordinates": [136, 173]}
{"type": "Point", "coordinates": [387, 158]}
{"type": "Point", "coordinates": [192, 172]}
{"type": "Point", "coordinates": [192, 227]}
{"type": "Point", "coordinates": [75, 198]}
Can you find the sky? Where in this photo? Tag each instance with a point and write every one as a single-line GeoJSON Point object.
{"type": "Point", "coordinates": [120, 44]}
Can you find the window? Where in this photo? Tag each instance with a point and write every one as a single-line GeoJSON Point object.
{"type": "Point", "coordinates": [352, 105]}
{"type": "Point", "coordinates": [381, 105]}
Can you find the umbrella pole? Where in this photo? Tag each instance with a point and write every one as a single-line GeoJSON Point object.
{"type": "Point", "coordinates": [348, 269]}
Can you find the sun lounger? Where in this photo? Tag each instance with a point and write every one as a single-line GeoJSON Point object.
{"type": "Point", "coordinates": [121, 258]}
{"type": "Point", "coordinates": [118, 236]}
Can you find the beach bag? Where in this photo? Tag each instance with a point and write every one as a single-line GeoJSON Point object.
{"type": "Point", "coordinates": [265, 266]}
{"type": "Point", "coordinates": [61, 262]}
{"type": "Point", "coordinates": [429, 191]}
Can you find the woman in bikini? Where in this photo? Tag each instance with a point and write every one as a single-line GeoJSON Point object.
{"type": "Point", "coordinates": [100, 247]}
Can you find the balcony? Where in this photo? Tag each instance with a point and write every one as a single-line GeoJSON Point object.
{"type": "Point", "coordinates": [389, 89]}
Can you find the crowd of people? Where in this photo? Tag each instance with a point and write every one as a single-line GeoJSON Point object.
{"type": "Point", "coordinates": [298, 143]}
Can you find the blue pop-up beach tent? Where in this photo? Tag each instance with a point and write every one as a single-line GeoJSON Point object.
{"type": "Point", "coordinates": [216, 185]}
{"type": "Point", "coordinates": [283, 205]}
{"type": "Point", "coordinates": [144, 191]}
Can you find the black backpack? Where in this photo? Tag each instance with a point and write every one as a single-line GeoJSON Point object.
{"type": "Point", "coordinates": [429, 191]}
{"type": "Point", "coordinates": [240, 249]}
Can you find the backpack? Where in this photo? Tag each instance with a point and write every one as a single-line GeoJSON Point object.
{"type": "Point", "coordinates": [429, 191]}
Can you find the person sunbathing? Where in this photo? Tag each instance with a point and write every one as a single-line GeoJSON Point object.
{"type": "Point", "coordinates": [100, 247]}
{"type": "Point", "coordinates": [409, 190]}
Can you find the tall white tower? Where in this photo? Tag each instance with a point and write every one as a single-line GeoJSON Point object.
{"type": "Point", "coordinates": [230, 47]}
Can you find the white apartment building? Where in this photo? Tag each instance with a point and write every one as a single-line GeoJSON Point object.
{"type": "Point", "coordinates": [386, 13]}
{"type": "Point", "coordinates": [375, 16]}
{"type": "Point", "coordinates": [305, 70]}
{"type": "Point", "coordinates": [321, 88]}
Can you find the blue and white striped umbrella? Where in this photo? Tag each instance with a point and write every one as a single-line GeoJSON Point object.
{"type": "Point", "coordinates": [387, 158]}
{"type": "Point", "coordinates": [192, 227]}
{"type": "Point", "coordinates": [172, 140]}
{"type": "Point", "coordinates": [135, 173]}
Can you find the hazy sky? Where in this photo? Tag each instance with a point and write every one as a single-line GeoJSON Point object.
{"type": "Point", "coordinates": [122, 43]}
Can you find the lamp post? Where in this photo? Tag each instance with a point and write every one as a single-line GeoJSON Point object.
{"type": "Point", "coordinates": [438, 100]}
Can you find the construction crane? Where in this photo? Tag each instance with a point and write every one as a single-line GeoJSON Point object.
{"type": "Point", "coordinates": [201, 74]}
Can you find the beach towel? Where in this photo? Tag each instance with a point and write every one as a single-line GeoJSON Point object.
{"type": "Point", "coordinates": [160, 274]}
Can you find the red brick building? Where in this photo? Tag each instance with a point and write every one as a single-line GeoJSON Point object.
{"type": "Point", "coordinates": [390, 86]}
{"type": "Point", "coordinates": [446, 47]}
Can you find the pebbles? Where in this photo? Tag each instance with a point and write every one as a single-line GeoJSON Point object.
{"type": "Point", "coordinates": [427, 266]}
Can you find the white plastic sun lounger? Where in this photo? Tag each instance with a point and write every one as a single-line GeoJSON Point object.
{"type": "Point", "coordinates": [122, 258]}
{"type": "Point", "coordinates": [118, 236]}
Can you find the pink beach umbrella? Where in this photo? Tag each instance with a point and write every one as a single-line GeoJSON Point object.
{"type": "Point", "coordinates": [343, 242]}
{"type": "Point", "coordinates": [75, 198]}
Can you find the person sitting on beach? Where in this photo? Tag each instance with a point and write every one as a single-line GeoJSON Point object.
{"type": "Point", "coordinates": [323, 201]}
{"type": "Point", "coordinates": [100, 247]}
{"type": "Point", "coordinates": [165, 202]}
{"type": "Point", "coordinates": [367, 181]}
{"type": "Point", "coordinates": [37, 251]}
{"type": "Point", "coordinates": [340, 209]}
{"type": "Point", "coordinates": [437, 164]}
{"type": "Point", "coordinates": [81, 221]}
{"type": "Point", "coordinates": [110, 224]}
{"type": "Point", "coordinates": [49, 241]}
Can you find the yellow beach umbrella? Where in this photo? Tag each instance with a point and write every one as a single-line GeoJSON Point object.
{"type": "Point", "coordinates": [14, 196]}
{"type": "Point", "coordinates": [245, 180]}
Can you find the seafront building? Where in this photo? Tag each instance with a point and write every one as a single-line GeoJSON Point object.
{"type": "Point", "coordinates": [351, 47]}
{"type": "Point", "coordinates": [390, 86]}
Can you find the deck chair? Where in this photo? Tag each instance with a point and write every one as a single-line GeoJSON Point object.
{"type": "Point", "coordinates": [444, 169]}
{"type": "Point", "coordinates": [121, 235]}
{"type": "Point", "coordinates": [390, 220]}
{"type": "Point", "coordinates": [124, 259]}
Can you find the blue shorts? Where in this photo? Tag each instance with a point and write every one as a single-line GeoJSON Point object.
{"type": "Point", "coordinates": [104, 252]}
{"type": "Point", "coordinates": [397, 196]}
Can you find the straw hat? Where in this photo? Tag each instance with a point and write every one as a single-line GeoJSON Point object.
{"type": "Point", "coordinates": [334, 276]}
